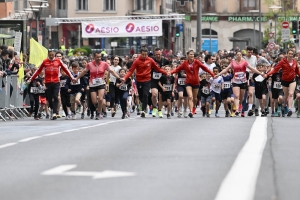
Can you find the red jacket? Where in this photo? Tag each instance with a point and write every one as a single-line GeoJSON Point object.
{"type": "Point", "coordinates": [52, 70]}
{"type": "Point", "coordinates": [192, 71]}
{"type": "Point", "coordinates": [288, 72]}
{"type": "Point", "coordinates": [143, 69]}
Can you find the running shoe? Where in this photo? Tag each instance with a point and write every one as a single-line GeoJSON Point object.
{"type": "Point", "coordinates": [256, 112]}
{"type": "Point", "coordinates": [160, 114]}
{"type": "Point", "coordinates": [263, 114]}
{"type": "Point", "coordinates": [168, 116]}
{"type": "Point", "coordinates": [273, 115]}
{"type": "Point", "coordinates": [298, 114]}
{"type": "Point", "coordinates": [267, 111]}
{"type": "Point", "coordinates": [54, 117]}
{"type": "Point", "coordinates": [138, 112]}
{"type": "Point", "coordinates": [123, 116]}
{"type": "Point", "coordinates": [227, 113]}
{"type": "Point", "coordinates": [217, 115]}
{"type": "Point", "coordinates": [240, 108]}
{"type": "Point", "coordinates": [58, 116]}
{"type": "Point", "coordinates": [179, 115]}
{"type": "Point", "coordinates": [92, 116]}
{"type": "Point", "coordinates": [143, 114]}
{"type": "Point", "coordinates": [232, 114]}
{"type": "Point", "coordinates": [194, 111]}
{"type": "Point", "coordinates": [279, 109]}
{"type": "Point", "coordinates": [237, 114]}
{"type": "Point", "coordinates": [104, 114]}
{"type": "Point", "coordinates": [207, 115]}
{"type": "Point", "coordinates": [243, 114]}
{"type": "Point", "coordinates": [276, 114]}
{"type": "Point", "coordinates": [185, 114]}
{"type": "Point", "coordinates": [289, 113]}
{"type": "Point", "coordinates": [154, 111]}
{"type": "Point", "coordinates": [113, 114]}
{"type": "Point", "coordinates": [209, 112]}
{"type": "Point", "coordinates": [250, 113]}
{"type": "Point", "coordinates": [82, 115]}
{"type": "Point", "coordinates": [88, 113]}
{"type": "Point", "coordinates": [73, 116]}
{"type": "Point", "coordinates": [36, 117]}
{"type": "Point", "coordinates": [172, 113]}
{"type": "Point", "coordinates": [286, 110]}
{"type": "Point", "coordinates": [68, 117]}
{"type": "Point", "coordinates": [47, 116]}
{"type": "Point", "coordinates": [190, 115]}
{"type": "Point", "coordinates": [150, 112]}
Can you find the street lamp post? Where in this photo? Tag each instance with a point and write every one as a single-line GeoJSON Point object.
{"type": "Point", "coordinates": [254, 19]}
{"type": "Point", "coordinates": [274, 10]}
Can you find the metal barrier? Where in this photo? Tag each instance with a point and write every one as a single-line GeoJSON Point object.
{"type": "Point", "coordinates": [11, 101]}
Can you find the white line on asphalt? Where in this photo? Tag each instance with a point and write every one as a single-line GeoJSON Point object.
{"type": "Point", "coordinates": [7, 145]}
{"type": "Point", "coordinates": [240, 182]}
{"type": "Point", "coordinates": [51, 134]}
{"type": "Point", "coordinates": [29, 139]}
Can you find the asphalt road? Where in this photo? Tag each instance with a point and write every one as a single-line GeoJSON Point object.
{"type": "Point", "coordinates": [168, 159]}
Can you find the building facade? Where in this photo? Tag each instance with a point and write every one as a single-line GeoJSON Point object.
{"type": "Point", "coordinates": [232, 22]}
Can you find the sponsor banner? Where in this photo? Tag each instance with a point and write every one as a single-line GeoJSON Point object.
{"type": "Point", "coordinates": [122, 29]}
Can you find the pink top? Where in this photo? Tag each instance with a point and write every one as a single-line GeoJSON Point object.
{"type": "Point", "coordinates": [239, 70]}
{"type": "Point", "coordinates": [96, 71]}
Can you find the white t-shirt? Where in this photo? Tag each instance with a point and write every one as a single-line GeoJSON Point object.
{"type": "Point", "coordinates": [209, 66]}
{"type": "Point", "coordinates": [252, 61]}
{"type": "Point", "coordinates": [112, 78]}
{"type": "Point", "coordinates": [216, 84]}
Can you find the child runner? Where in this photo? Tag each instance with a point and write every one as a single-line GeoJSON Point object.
{"type": "Point", "coordinates": [205, 94]}
{"type": "Point", "coordinates": [123, 92]}
{"type": "Point", "coordinates": [216, 85]}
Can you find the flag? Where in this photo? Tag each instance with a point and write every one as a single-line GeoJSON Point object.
{"type": "Point", "coordinates": [37, 53]}
{"type": "Point", "coordinates": [21, 70]}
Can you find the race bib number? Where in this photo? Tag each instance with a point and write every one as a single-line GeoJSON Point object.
{"type": "Point", "coordinates": [42, 90]}
{"type": "Point", "coordinates": [156, 75]}
{"type": "Point", "coordinates": [277, 85]}
{"type": "Point", "coordinates": [63, 83]}
{"type": "Point", "coordinates": [227, 85]}
{"type": "Point", "coordinates": [217, 86]}
{"type": "Point", "coordinates": [168, 87]}
{"type": "Point", "coordinates": [113, 79]}
{"type": "Point", "coordinates": [98, 81]}
{"type": "Point", "coordinates": [240, 76]}
{"type": "Point", "coordinates": [123, 87]}
{"type": "Point", "coordinates": [77, 83]}
{"type": "Point", "coordinates": [205, 90]}
{"type": "Point", "coordinates": [34, 90]}
{"type": "Point", "coordinates": [181, 81]}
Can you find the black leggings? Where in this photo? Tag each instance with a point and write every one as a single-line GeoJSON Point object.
{"type": "Point", "coordinates": [34, 100]}
{"type": "Point", "coordinates": [123, 100]}
{"type": "Point", "coordinates": [113, 95]}
{"type": "Point", "coordinates": [143, 89]}
{"type": "Point", "coordinates": [52, 95]}
{"type": "Point", "coordinates": [90, 103]}
{"type": "Point", "coordinates": [65, 101]}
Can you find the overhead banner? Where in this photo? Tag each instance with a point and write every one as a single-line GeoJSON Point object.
{"type": "Point", "coordinates": [121, 29]}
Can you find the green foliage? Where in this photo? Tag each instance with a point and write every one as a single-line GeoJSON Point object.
{"type": "Point", "coordinates": [81, 51]}
{"type": "Point", "coordinates": [88, 49]}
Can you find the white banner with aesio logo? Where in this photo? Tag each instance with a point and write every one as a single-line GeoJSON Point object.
{"type": "Point", "coordinates": [122, 29]}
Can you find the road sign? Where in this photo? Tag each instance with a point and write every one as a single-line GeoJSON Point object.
{"type": "Point", "coordinates": [285, 34]}
{"type": "Point", "coordinates": [271, 35]}
{"type": "Point", "coordinates": [271, 45]}
{"type": "Point", "coordinates": [63, 170]}
{"type": "Point", "coordinates": [114, 44]}
{"type": "Point", "coordinates": [285, 25]}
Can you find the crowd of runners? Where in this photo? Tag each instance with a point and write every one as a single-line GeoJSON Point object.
{"type": "Point", "coordinates": [247, 82]}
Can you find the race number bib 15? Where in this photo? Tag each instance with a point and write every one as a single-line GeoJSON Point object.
{"type": "Point", "coordinates": [168, 87]}
{"type": "Point", "coordinates": [156, 75]}
{"type": "Point", "coordinates": [277, 85]}
{"type": "Point", "coordinates": [123, 87]}
{"type": "Point", "coordinates": [205, 90]}
{"type": "Point", "coordinates": [227, 85]}
{"type": "Point", "coordinates": [98, 81]}
{"type": "Point", "coordinates": [181, 81]}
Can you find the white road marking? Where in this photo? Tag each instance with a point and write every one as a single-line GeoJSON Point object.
{"type": "Point", "coordinates": [51, 134]}
{"type": "Point", "coordinates": [7, 145]}
{"type": "Point", "coordinates": [240, 182]}
{"type": "Point", "coordinates": [57, 133]}
{"type": "Point", "coordinates": [63, 170]}
{"type": "Point", "coordinates": [29, 139]}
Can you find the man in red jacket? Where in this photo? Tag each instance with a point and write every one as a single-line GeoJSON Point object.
{"type": "Point", "coordinates": [143, 66]}
{"type": "Point", "coordinates": [52, 67]}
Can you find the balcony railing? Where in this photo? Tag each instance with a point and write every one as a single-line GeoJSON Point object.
{"type": "Point", "coordinates": [62, 13]}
